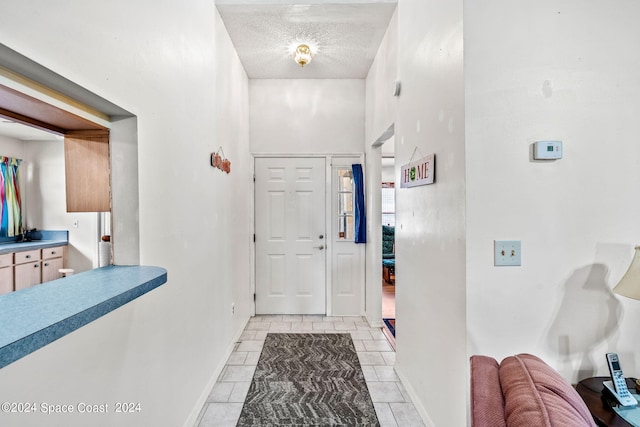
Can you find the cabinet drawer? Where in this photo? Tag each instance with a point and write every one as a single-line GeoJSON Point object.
{"type": "Point", "coordinates": [27, 256]}
{"type": "Point", "coordinates": [55, 252]}
{"type": "Point", "coordinates": [6, 260]}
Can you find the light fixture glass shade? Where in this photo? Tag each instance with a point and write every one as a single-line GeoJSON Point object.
{"type": "Point", "coordinates": [302, 55]}
{"type": "Point", "coordinates": [629, 285]}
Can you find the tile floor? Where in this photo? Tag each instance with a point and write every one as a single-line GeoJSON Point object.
{"type": "Point", "coordinates": [392, 404]}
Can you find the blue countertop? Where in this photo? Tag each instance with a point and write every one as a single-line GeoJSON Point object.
{"type": "Point", "coordinates": [45, 239]}
{"type": "Point", "coordinates": [27, 246]}
{"type": "Point", "coordinates": [34, 317]}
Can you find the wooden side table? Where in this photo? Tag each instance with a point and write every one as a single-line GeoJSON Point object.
{"type": "Point", "coordinates": [389, 274]}
{"type": "Point", "coordinates": [590, 390]}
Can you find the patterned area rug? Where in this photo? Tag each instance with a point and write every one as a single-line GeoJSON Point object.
{"type": "Point", "coordinates": [308, 380]}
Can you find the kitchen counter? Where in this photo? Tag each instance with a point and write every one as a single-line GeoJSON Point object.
{"type": "Point", "coordinates": [27, 246]}
{"type": "Point", "coordinates": [47, 239]}
{"type": "Point", "coordinates": [36, 316]}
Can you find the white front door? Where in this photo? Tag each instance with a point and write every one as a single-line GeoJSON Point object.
{"type": "Point", "coordinates": [290, 235]}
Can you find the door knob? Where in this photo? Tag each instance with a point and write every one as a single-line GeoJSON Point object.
{"type": "Point", "coordinates": [321, 236]}
{"type": "Point", "coordinates": [321, 247]}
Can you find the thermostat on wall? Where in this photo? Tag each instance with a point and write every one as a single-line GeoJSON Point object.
{"type": "Point", "coordinates": [547, 150]}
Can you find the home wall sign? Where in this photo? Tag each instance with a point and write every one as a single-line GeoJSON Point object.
{"type": "Point", "coordinates": [419, 172]}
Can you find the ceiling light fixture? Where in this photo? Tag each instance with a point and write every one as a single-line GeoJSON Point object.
{"type": "Point", "coordinates": [302, 55]}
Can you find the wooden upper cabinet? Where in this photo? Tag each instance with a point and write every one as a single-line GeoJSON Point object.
{"type": "Point", "coordinates": [86, 157]}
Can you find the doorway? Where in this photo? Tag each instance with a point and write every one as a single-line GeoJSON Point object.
{"type": "Point", "coordinates": [388, 220]}
{"type": "Point", "coordinates": [290, 235]}
{"type": "Point", "coordinates": [306, 257]}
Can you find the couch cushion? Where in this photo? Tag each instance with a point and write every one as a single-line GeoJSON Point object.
{"type": "Point", "coordinates": [536, 395]}
{"type": "Point", "coordinates": [487, 405]}
{"type": "Point", "coordinates": [388, 239]}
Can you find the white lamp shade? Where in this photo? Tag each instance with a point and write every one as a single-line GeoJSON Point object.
{"type": "Point", "coordinates": [629, 285]}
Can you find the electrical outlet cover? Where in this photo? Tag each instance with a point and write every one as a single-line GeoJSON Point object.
{"type": "Point", "coordinates": [507, 253]}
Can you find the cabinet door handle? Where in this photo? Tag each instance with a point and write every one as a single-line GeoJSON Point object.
{"type": "Point", "coordinates": [28, 256]}
{"type": "Point", "coordinates": [53, 252]}
{"type": "Point", "coordinates": [46, 264]}
{"type": "Point", "coordinates": [36, 265]}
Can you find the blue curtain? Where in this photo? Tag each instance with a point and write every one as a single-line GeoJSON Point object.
{"type": "Point", "coordinates": [360, 212]}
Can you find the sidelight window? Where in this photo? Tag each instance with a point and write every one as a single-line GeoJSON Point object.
{"type": "Point", "coordinates": [345, 203]}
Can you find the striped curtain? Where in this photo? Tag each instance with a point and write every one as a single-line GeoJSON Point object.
{"type": "Point", "coordinates": [11, 224]}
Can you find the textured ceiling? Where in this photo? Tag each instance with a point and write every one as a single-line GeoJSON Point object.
{"type": "Point", "coordinates": [344, 35]}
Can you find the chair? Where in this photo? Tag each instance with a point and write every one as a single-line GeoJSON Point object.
{"type": "Point", "coordinates": [388, 254]}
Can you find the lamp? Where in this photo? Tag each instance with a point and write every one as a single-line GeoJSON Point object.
{"type": "Point", "coordinates": [629, 285]}
{"type": "Point", "coordinates": [302, 55]}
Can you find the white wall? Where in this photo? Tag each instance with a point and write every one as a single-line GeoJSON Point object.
{"type": "Point", "coordinates": [11, 147]}
{"type": "Point", "coordinates": [307, 116]}
{"type": "Point", "coordinates": [125, 205]}
{"type": "Point", "coordinates": [430, 220]}
{"type": "Point", "coordinates": [380, 115]}
{"type": "Point", "coordinates": [388, 173]}
{"type": "Point", "coordinates": [177, 71]}
{"type": "Point", "coordinates": [553, 71]}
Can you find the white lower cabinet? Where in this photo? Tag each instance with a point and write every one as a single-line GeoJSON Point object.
{"type": "Point", "coordinates": [50, 269]}
{"type": "Point", "coordinates": [27, 275]}
{"type": "Point", "coordinates": [6, 280]}
{"type": "Point", "coordinates": [6, 273]}
{"type": "Point", "coordinates": [20, 270]}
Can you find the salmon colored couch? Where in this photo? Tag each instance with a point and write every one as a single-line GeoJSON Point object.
{"type": "Point", "coordinates": [523, 391]}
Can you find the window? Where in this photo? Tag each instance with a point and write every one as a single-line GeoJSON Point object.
{"type": "Point", "coordinates": [345, 203]}
{"type": "Point", "coordinates": [388, 204]}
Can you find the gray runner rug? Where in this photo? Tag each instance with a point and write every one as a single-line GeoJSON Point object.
{"type": "Point", "coordinates": [308, 380]}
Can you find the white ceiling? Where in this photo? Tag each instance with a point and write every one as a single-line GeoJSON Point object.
{"type": "Point", "coordinates": [345, 36]}
{"type": "Point", "coordinates": [25, 133]}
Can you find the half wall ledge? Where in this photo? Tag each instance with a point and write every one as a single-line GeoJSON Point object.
{"type": "Point", "coordinates": [36, 316]}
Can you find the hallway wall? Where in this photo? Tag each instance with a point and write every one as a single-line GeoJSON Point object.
{"type": "Point", "coordinates": [565, 72]}
{"type": "Point", "coordinates": [175, 68]}
{"type": "Point", "coordinates": [430, 220]}
{"type": "Point", "coordinates": [303, 116]}
{"type": "Point", "coordinates": [380, 115]}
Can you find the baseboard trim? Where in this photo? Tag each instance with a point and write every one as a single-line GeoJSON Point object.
{"type": "Point", "coordinates": [426, 419]}
{"type": "Point", "coordinates": [375, 321]}
{"type": "Point", "coordinates": [195, 412]}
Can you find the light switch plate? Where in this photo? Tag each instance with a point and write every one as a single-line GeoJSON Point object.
{"type": "Point", "coordinates": [507, 253]}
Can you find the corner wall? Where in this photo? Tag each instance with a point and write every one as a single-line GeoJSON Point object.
{"type": "Point", "coordinates": [380, 115]}
{"type": "Point", "coordinates": [430, 220]}
{"type": "Point", "coordinates": [550, 71]}
{"type": "Point", "coordinates": [177, 71]}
